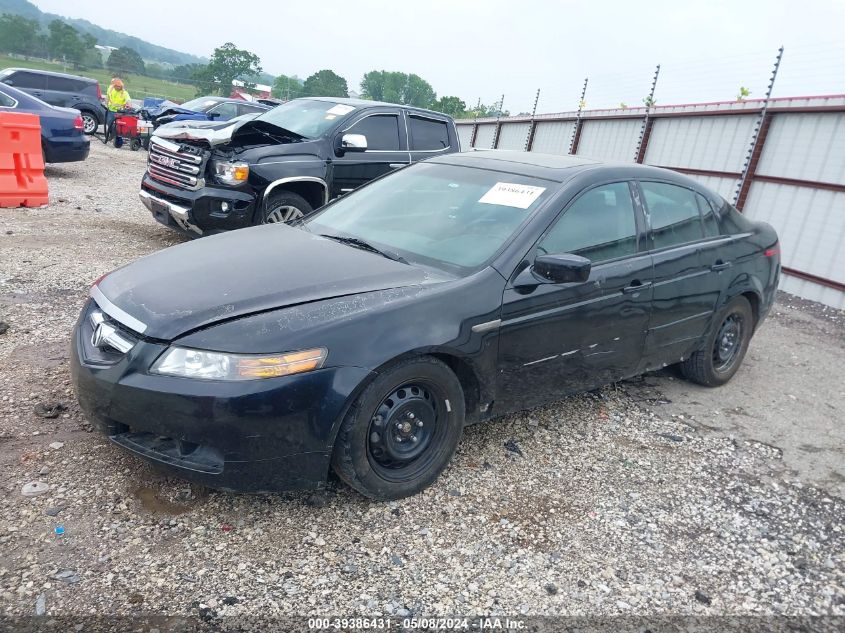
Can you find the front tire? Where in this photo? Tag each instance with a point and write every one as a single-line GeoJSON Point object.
{"type": "Point", "coordinates": [284, 207]}
{"type": "Point", "coordinates": [402, 431]}
{"type": "Point", "coordinates": [720, 358]}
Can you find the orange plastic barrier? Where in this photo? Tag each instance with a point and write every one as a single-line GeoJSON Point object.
{"type": "Point", "coordinates": [22, 181]}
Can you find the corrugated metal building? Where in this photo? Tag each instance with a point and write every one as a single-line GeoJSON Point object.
{"type": "Point", "coordinates": [796, 178]}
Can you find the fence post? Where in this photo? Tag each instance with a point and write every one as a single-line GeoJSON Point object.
{"type": "Point", "coordinates": [645, 130]}
{"type": "Point", "coordinates": [475, 125]}
{"type": "Point", "coordinates": [498, 123]}
{"type": "Point", "coordinates": [529, 139]}
{"type": "Point", "coordinates": [576, 131]}
{"type": "Point", "coordinates": [758, 139]}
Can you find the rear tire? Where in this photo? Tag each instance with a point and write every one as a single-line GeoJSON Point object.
{"type": "Point", "coordinates": [402, 431]}
{"type": "Point", "coordinates": [90, 123]}
{"type": "Point", "coordinates": [725, 347]}
{"type": "Point", "coordinates": [284, 207]}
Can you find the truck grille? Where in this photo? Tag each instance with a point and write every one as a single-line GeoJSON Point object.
{"type": "Point", "coordinates": [175, 164]}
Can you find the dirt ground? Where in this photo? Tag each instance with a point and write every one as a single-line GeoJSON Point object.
{"type": "Point", "coordinates": [651, 496]}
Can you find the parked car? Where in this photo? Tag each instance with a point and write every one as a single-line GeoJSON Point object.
{"type": "Point", "coordinates": [59, 89]}
{"type": "Point", "coordinates": [365, 337]}
{"type": "Point", "coordinates": [284, 163]}
{"type": "Point", "coordinates": [62, 138]}
{"type": "Point", "coordinates": [203, 109]}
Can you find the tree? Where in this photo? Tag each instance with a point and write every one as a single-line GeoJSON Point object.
{"type": "Point", "coordinates": [125, 60]}
{"type": "Point", "coordinates": [227, 64]}
{"type": "Point", "coordinates": [397, 87]}
{"type": "Point", "coordinates": [325, 83]}
{"type": "Point", "coordinates": [481, 111]}
{"type": "Point", "coordinates": [287, 88]}
{"type": "Point", "coordinates": [18, 34]}
{"type": "Point", "coordinates": [63, 42]}
{"type": "Point", "coordinates": [453, 106]}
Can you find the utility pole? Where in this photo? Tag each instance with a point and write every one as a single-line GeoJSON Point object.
{"type": "Point", "coordinates": [645, 129]}
{"type": "Point", "coordinates": [576, 130]}
{"type": "Point", "coordinates": [757, 137]}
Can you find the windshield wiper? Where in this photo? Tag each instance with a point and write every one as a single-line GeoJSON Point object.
{"type": "Point", "coordinates": [359, 243]}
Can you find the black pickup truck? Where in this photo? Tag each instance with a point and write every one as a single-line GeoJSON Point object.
{"type": "Point", "coordinates": [207, 177]}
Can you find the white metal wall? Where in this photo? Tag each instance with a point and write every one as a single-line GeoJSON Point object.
{"type": "Point", "coordinates": [811, 227]}
{"type": "Point", "coordinates": [805, 146]}
{"type": "Point", "coordinates": [553, 137]}
{"type": "Point", "coordinates": [725, 187]}
{"type": "Point", "coordinates": [485, 135]}
{"type": "Point", "coordinates": [716, 143]}
{"type": "Point", "coordinates": [465, 136]}
{"type": "Point", "coordinates": [612, 140]}
{"type": "Point", "coordinates": [513, 136]}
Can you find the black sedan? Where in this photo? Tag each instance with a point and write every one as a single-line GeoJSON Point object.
{"type": "Point", "coordinates": [459, 289]}
{"type": "Point", "coordinates": [62, 138]}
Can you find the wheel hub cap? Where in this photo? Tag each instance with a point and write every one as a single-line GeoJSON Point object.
{"type": "Point", "coordinates": [403, 426]}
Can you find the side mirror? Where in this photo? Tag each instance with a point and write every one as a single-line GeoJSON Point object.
{"type": "Point", "coordinates": [562, 269]}
{"type": "Point", "coordinates": [212, 115]}
{"type": "Point", "coordinates": [8, 82]}
{"type": "Point", "coordinates": [353, 143]}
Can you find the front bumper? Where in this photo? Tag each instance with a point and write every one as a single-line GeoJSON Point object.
{"type": "Point", "coordinates": [250, 436]}
{"type": "Point", "coordinates": [199, 212]}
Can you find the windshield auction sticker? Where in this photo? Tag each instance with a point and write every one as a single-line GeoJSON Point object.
{"type": "Point", "coordinates": [512, 195]}
{"type": "Point", "coordinates": [340, 109]}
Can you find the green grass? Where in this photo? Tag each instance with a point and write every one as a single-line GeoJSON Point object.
{"type": "Point", "coordinates": [138, 86]}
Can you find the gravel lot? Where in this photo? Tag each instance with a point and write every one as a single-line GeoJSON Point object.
{"type": "Point", "coordinates": [647, 497]}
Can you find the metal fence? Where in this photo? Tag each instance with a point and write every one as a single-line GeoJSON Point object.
{"type": "Point", "coordinates": [781, 161]}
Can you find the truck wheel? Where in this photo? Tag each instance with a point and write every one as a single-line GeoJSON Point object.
{"type": "Point", "coordinates": [716, 363]}
{"type": "Point", "coordinates": [89, 121]}
{"type": "Point", "coordinates": [284, 206]}
{"type": "Point", "coordinates": [402, 431]}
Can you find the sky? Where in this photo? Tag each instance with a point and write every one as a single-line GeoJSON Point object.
{"type": "Point", "coordinates": [486, 49]}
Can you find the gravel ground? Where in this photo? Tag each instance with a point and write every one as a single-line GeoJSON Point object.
{"type": "Point", "coordinates": [646, 497]}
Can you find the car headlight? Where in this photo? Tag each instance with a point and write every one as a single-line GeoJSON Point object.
{"type": "Point", "coordinates": [231, 173]}
{"type": "Point", "coordinates": [194, 363]}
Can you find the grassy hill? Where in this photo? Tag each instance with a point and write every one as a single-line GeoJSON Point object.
{"type": "Point", "coordinates": [138, 86]}
{"type": "Point", "coordinates": [105, 37]}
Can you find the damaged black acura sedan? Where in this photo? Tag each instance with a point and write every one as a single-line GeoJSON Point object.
{"type": "Point", "coordinates": [364, 338]}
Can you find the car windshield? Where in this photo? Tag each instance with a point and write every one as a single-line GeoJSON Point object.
{"type": "Point", "coordinates": [307, 118]}
{"type": "Point", "coordinates": [199, 105]}
{"type": "Point", "coordinates": [448, 217]}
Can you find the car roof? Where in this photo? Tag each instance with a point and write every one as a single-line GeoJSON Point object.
{"type": "Point", "coordinates": [52, 74]}
{"type": "Point", "coordinates": [554, 167]}
{"type": "Point", "coordinates": [229, 100]}
{"type": "Point", "coordinates": [366, 103]}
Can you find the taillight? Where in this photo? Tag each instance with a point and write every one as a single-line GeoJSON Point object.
{"type": "Point", "coordinates": [99, 92]}
{"type": "Point", "coordinates": [78, 123]}
{"type": "Point", "coordinates": [771, 252]}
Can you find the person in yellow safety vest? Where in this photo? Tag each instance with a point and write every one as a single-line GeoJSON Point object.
{"type": "Point", "coordinates": [117, 99]}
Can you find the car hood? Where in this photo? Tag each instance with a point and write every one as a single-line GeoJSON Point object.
{"type": "Point", "coordinates": [193, 285]}
{"type": "Point", "coordinates": [212, 132]}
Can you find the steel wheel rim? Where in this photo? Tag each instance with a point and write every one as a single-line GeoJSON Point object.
{"type": "Point", "coordinates": [728, 343]}
{"type": "Point", "coordinates": [89, 124]}
{"type": "Point", "coordinates": [406, 431]}
{"type": "Point", "coordinates": [282, 214]}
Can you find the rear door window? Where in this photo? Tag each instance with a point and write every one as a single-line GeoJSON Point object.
{"type": "Point", "coordinates": [381, 130]}
{"type": "Point", "coordinates": [428, 134]}
{"type": "Point", "coordinates": [711, 224]}
{"type": "Point", "coordinates": [675, 218]}
{"type": "Point", "coordinates": [6, 101]}
{"type": "Point", "coordinates": [64, 84]}
{"type": "Point", "coordinates": [29, 81]}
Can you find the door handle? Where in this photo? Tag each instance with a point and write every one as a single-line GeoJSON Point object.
{"type": "Point", "coordinates": [720, 265]}
{"type": "Point", "coordinates": [397, 165]}
{"type": "Point", "coordinates": [635, 286]}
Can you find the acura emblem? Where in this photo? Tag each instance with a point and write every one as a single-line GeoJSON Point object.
{"type": "Point", "coordinates": [106, 336]}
